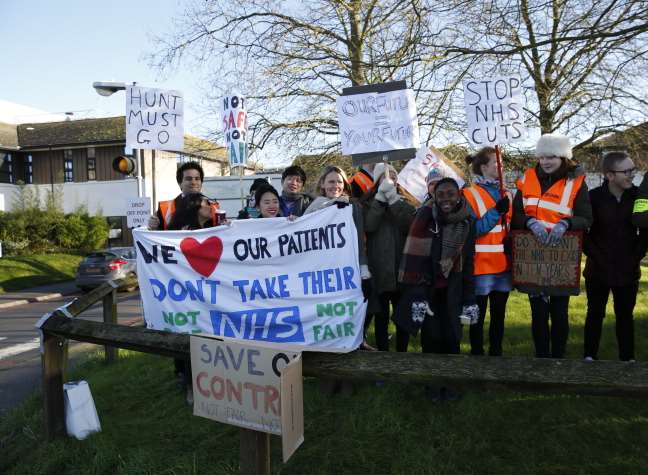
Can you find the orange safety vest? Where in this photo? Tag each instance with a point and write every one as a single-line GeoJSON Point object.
{"type": "Point", "coordinates": [362, 180]}
{"type": "Point", "coordinates": [554, 204]}
{"type": "Point", "coordinates": [168, 208]}
{"type": "Point", "coordinates": [489, 248]}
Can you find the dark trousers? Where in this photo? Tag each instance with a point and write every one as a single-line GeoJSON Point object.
{"type": "Point", "coordinates": [496, 328]}
{"type": "Point", "coordinates": [550, 343]}
{"type": "Point", "coordinates": [437, 333]}
{"type": "Point", "coordinates": [387, 301]}
{"type": "Point", "coordinates": [625, 298]}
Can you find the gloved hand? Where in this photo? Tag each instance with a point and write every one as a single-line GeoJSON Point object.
{"type": "Point", "coordinates": [557, 233]}
{"type": "Point", "coordinates": [538, 230]}
{"type": "Point", "coordinates": [503, 204]}
{"type": "Point", "coordinates": [342, 204]}
{"type": "Point", "coordinates": [380, 196]}
{"type": "Point", "coordinates": [366, 289]}
{"type": "Point", "coordinates": [392, 195]}
{"type": "Point", "coordinates": [469, 314]}
{"type": "Point", "coordinates": [420, 308]}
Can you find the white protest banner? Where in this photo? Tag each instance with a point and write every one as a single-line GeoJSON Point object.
{"type": "Point", "coordinates": [495, 110]}
{"type": "Point", "coordinates": [154, 119]}
{"type": "Point", "coordinates": [138, 211]}
{"type": "Point", "coordinates": [271, 280]}
{"type": "Point", "coordinates": [235, 128]}
{"type": "Point", "coordinates": [377, 122]}
{"type": "Point", "coordinates": [413, 175]}
{"type": "Point", "coordinates": [249, 385]}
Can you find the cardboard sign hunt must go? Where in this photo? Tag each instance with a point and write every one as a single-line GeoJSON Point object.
{"type": "Point", "coordinates": [254, 386]}
{"type": "Point", "coordinates": [547, 266]}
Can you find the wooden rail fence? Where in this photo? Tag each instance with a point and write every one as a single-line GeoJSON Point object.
{"type": "Point", "coordinates": [601, 378]}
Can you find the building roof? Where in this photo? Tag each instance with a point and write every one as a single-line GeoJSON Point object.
{"type": "Point", "coordinates": [72, 132]}
{"type": "Point", "coordinates": [8, 136]}
{"type": "Point", "coordinates": [99, 131]}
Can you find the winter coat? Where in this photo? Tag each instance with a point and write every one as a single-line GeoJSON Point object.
{"type": "Point", "coordinates": [581, 220]}
{"type": "Point", "coordinates": [301, 203]}
{"type": "Point", "coordinates": [386, 228]}
{"type": "Point", "coordinates": [613, 246]}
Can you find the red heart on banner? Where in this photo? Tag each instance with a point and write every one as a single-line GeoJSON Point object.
{"type": "Point", "coordinates": [202, 257]}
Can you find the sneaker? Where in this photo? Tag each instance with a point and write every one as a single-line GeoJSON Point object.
{"type": "Point", "coordinates": [588, 359]}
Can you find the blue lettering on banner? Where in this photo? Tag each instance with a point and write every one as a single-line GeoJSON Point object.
{"type": "Point", "coordinates": [279, 325]}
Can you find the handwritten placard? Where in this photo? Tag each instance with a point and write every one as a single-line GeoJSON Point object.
{"type": "Point", "coordinates": [251, 386]}
{"type": "Point", "coordinates": [234, 116]}
{"type": "Point", "coordinates": [378, 122]}
{"type": "Point", "coordinates": [154, 119]}
{"type": "Point", "coordinates": [494, 110]}
{"type": "Point", "coordinates": [414, 174]}
{"type": "Point", "coordinates": [138, 211]}
{"type": "Point", "coordinates": [547, 266]}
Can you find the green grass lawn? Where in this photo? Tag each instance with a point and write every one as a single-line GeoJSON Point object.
{"type": "Point", "coordinates": [147, 428]}
{"type": "Point", "coordinates": [23, 272]}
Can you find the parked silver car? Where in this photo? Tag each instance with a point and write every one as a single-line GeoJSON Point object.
{"type": "Point", "coordinates": [108, 264]}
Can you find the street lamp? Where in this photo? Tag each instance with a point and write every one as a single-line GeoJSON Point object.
{"type": "Point", "coordinates": [108, 88]}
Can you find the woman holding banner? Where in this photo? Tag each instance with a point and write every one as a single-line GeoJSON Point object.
{"type": "Point", "coordinates": [492, 265]}
{"type": "Point", "coordinates": [552, 199]}
{"type": "Point", "coordinates": [267, 201]}
{"type": "Point", "coordinates": [388, 215]}
{"type": "Point", "coordinates": [436, 271]}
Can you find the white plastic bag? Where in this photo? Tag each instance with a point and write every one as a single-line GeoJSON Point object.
{"type": "Point", "coordinates": [81, 417]}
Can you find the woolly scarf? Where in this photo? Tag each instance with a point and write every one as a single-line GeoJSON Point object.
{"type": "Point", "coordinates": [454, 229]}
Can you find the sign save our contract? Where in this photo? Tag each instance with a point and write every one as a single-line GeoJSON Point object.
{"type": "Point", "coordinates": [269, 280]}
{"type": "Point", "coordinates": [257, 387]}
{"type": "Point", "coordinates": [547, 266]}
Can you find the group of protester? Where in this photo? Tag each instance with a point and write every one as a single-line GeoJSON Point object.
{"type": "Point", "coordinates": [436, 266]}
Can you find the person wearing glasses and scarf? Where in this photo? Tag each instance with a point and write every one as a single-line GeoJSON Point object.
{"type": "Point", "coordinates": [552, 198]}
{"type": "Point", "coordinates": [614, 251]}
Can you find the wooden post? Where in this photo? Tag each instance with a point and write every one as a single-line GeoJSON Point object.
{"type": "Point", "coordinates": [110, 316]}
{"type": "Point", "coordinates": [254, 454]}
{"type": "Point", "coordinates": [52, 361]}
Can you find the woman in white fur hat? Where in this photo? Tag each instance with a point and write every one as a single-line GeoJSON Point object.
{"type": "Point", "coordinates": [552, 198]}
{"type": "Point", "coordinates": [388, 213]}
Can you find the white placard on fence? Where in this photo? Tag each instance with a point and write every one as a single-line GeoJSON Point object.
{"type": "Point", "coordinates": [234, 116]}
{"type": "Point", "coordinates": [377, 122]}
{"type": "Point", "coordinates": [270, 280]}
{"type": "Point", "coordinates": [154, 119]}
{"type": "Point", "coordinates": [240, 383]}
{"type": "Point", "coordinates": [138, 211]}
{"type": "Point", "coordinates": [494, 110]}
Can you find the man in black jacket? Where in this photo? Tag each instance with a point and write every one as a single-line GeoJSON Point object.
{"type": "Point", "coordinates": [614, 250]}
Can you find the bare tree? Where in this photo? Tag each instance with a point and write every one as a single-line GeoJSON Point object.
{"type": "Point", "coordinates": [292, 59]}
{"type": "Point", "coordinates": [584, 60]}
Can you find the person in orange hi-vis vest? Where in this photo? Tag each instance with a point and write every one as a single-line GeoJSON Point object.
{"type": "Point", "coordinates": [362, 181]}
{"type": "Point", "coordinates": [189, 176]}
{"type": "Point", "coordinates": [552, 198]}
{"type": "Point", "coordinates": [492, 265]}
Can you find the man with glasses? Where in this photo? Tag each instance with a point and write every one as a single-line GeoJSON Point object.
{"type": "Point", "coordinates": [614, 250]}
{"type": "Point", "coordinates": [293, 201]}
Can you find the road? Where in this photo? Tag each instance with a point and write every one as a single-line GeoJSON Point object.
{"type": "Point", "coordinates": [20, 365]}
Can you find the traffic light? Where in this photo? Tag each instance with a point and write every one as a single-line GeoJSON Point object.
{"type": "Point", "coordinates": [124, 164]}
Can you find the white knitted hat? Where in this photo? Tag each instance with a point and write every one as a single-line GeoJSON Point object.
{"type": "Point", "coordinates": [554, 145]}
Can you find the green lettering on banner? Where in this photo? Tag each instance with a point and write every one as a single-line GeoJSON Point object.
{"type": "Point", "coordinates": [640, 205]}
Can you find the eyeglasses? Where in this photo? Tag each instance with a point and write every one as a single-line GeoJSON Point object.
{"type": "Point", "coordinates": [629, 172]}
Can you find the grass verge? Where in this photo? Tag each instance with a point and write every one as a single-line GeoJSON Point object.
{"type": "Point", "coordinates": [392, 429]}
{"type": "Point", "coordinates": [23, 272]}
